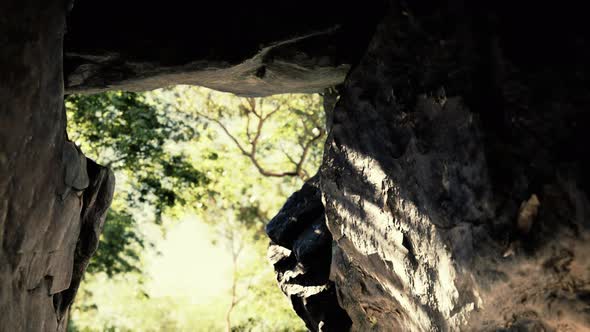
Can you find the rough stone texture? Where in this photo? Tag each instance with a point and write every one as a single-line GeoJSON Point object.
{"type": "Point", "coordinates": [454, 184]}
{"type": "Point", "coordinates": [255, 49]}
{"type": "Point", "coordinates": [301, 251]}
{"type": "Point", "coordinates": [52, 198]}
{"type": "Point", "coordinates": [50, 194]}
{"type": "Point", "coordinates": [96, 200]}
{"type": "Point", "coordinates": [455, 178]}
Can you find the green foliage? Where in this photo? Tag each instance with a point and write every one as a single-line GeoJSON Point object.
{"type": "Point", "coordinates": [122, 131]}
{"type": "Point", "coordinates": [280, 135]}
{"type": "Point", "coordinates": [124, 123]}
{"type": "Point", "coordinates": [230, 162]}
{"type": "Point", "coordinates": [118, 241]}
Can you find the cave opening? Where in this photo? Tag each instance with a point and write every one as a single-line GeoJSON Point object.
{"type": "Point", "coordinates": [454, 180]}
{"type": "Point", "coordinates": [199, 175]}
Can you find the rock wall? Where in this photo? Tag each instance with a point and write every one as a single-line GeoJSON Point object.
{"type": "Point", "coordinates": [455, 179]}
{"type": "Point", "coordinates": [301, 252]}
{"type": "Point", "coordinates": [52, 199]}
{"type": "Point", "coordinates": [254, 49]}
{"type": "Point", "coordinates": [454, 183]}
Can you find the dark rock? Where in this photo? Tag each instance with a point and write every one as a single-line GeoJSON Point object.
{"type": "Point", "coordinates": [457, 115]}
{"type": "Point", "coordinates": [43, 224]}
{"type": "Point", "coordinates": [255, 49]}
{"type": "Point", "coordinates": [302, 261]}
{"type": "Point", "coordinates": [301, 210]}
{"type": "Point", "coordinates": [316, 238]}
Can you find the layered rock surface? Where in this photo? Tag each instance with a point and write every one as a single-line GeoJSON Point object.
{"type": "Point", "coordinates": [52, 199]}
{"type": "Point", "coordinates": [455, 182]}
{"type": "Point", "coordinates": [254, 49]}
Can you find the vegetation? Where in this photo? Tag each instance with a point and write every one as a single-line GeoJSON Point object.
{"type": "Point", "coordinates": [191, 156]}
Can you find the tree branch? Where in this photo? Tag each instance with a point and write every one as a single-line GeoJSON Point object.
{"type": "Point", "coordinates": [226, 131]}
{"type": "Point", "coordinates": [250, 106]}
{"type": "Point", "coordinates": [112, 162]}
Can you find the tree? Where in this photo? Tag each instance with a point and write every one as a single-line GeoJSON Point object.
{"type": "Point", "coordinates": [123, 131]}
{"type": "Point", "coordinates": [292, 145]}
{"type": "Point", "coordinates": [279, 136]}
{"type": "Point", "coordinates": [171, 148]}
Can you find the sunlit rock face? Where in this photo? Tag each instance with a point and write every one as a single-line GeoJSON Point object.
{"type": "Point", "coordinates": [455, 179]}
{"type": "Point", "coordinates": [52, 199]}
{"type": "Point", "coordinates": [254, 49]}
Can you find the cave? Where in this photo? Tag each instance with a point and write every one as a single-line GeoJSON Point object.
{"type": "Point", "coordinates": [453, 193]}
